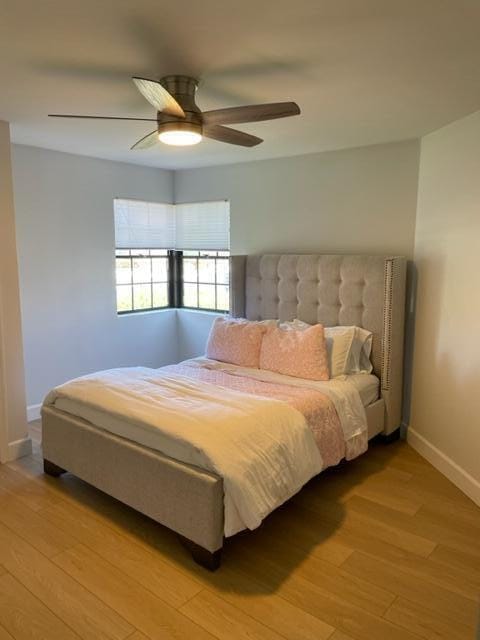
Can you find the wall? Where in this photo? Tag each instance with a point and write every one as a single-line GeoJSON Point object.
{"type": "Point", "coordinates": [193, 328]}
{"type": "Point", "coordinates": [355, 200]}
{"type": "Point", "coordinates": [13, 424]}
{"type": "Point", "coordinates": [65, 239]}
{"type": "Point", "coordinates": [445, 423]}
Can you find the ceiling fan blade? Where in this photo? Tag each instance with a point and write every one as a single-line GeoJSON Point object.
{"type": "Point", "coordinates": [251, 113]}
{"type": "Point", "coordinates": [62, 115]}
{"type": "Point", "coordinates": [150, 140]}
{"type": "Point", "coordinates": [232, 136]}
{"type": "Point", "coordinates": [159, 97]}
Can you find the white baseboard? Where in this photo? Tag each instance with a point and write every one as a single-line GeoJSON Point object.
{"type": "Point", "coordinates": [19, 448]}
{"type": "Point", "coordinates": [33, 412]}
{"type": "Point", "coordinates": [463, 480]}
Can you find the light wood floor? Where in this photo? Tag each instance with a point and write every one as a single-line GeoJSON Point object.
{"type": "Point", "coordinates": [381, 548]}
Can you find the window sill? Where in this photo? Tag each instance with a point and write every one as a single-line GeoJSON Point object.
{"type": "Point", "coordinates": [201, 312]}
{"type": "Point", "coordinates": [147, 312]}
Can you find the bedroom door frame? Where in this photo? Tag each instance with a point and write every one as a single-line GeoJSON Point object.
{"type": "Point", "coordinates": [14, 440]}
{"type": "Point", "coordinates": [3, 396]}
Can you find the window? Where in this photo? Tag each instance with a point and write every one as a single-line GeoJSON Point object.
{"type": "Point", "coordinates": [206, 280]}
{"type": "Point", "coordinates": [186, 263]}
{"type": "Point", "coordinates": [142, 279]}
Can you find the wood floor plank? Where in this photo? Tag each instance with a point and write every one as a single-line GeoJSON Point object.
{"type": "Point", "coordinates": [140, 607]}
{"type": "Point", "coordinates": [390, 495]}
{"type": "Point", "coordinates": [72, 603]}
{"type": "Point", "coordinates": [224, 621]}
{"type": "Point", "coordinates": [305, 538]}
{"type": "Point", "coordinates": [4, 635]}
{"type": "Point", "coordinates": [148, 569]}
{"type": "Point", "coordinates": [25, 618]}
{"type": "Point", "coordinates": [463, 520]}
{"type": "Point", "coordinates": [29, 466]}
{"type": "Point", "coordinates": [329, 607]}
{"type": "Point", "coordinates": [34, 495]}
{"type": "Point", "coordinates": [456, 579]}
{"type": "Point", "coordinates": [384, 485]}
{"type": "Point", "coordinates": [331, 580]}
{"type": "Point", "coordinates": [341, 516]}
{"type": "Point", "coordinates": [428, 625]}
{"type": "Point", "coordinates": [339, 635]}
{"type": "Point", "coordinates": [402, 457]}
{"type": "Point", "coordinates": [263, 604]}
{"type": "Point", "coordinates": [417, 525]}
{"type": "Point", "coordinates": [430, 596]}
{"type": "Point", "coordinates": [33, 528]}
{"type": "Point", "coordinates": [339, 483]}
{"type": "Point", "coordinates": [457, 559]}
{"type": "Point", "coordinates": [358, 623]}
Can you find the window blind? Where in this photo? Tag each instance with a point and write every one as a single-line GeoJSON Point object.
{"type": "Point", "coordinates": [189, 226]}
{"type": "Point", "coordinates": [144, 225]}
{"type": "Point", "coordinates": [203, 225]}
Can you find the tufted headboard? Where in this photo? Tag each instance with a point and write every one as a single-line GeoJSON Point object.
{"type": "Point", "coordinates": [366, 291]}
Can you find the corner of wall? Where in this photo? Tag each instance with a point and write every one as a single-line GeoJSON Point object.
{"type": "Point", "coordinates": [460, 478]}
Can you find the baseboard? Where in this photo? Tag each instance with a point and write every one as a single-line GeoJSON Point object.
{"type": "Point", "coordinates": [19, 449]}
{"type": "Point", "coordinates": [463, 480]}
{"type": "Point", "coordinates": [33, 412]}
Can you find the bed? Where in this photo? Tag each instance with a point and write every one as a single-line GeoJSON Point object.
{"type": "Point", "coordinates": [181, 492]}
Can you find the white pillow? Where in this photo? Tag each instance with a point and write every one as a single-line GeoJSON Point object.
{"type": "Point", "coordinates": [348, 348]}
{"type": "Point", "coordinates": [267, 323]}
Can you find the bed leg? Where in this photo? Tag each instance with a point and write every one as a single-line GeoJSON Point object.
{"type": "Point", "coordinates": [210, 560]}
{"type": "Point", "coordinates": [52, 469]}
{"type": "Point", "coordinates": [391, 437]}
{"type": "Point", "coordinates": [207, 559]}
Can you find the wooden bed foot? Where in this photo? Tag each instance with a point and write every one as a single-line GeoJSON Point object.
{"type": "Point", "coordinates": [52, 469]}
{"type": "Point", "coordinates": [391, 437]}
{"type": "Point", "coordinates": [210, 560]}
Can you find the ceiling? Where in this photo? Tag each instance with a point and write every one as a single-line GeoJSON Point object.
{"type": "Point", "coordinates": [363, 72]}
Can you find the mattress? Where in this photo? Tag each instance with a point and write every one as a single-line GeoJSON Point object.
{"type": "Point", "coordinates": [367, 385]}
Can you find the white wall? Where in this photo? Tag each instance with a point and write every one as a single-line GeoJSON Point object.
{"type": "Point", "coordinates": [445, 423]}
{"type": "Point", "coordinates": [355, 200]}
{"type": "Point", "coordinates": [65, 238]}
{"type": "Point", "coordinates": [193, 328]}
{"type": "Point", "coordinates": [13, 423]}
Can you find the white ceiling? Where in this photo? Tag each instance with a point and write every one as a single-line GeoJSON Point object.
{"type": "Point", "coordinates": [362, 71]}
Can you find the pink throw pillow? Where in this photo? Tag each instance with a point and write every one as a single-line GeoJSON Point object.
{"type": "Point", "coordinates": [236, 342]}
{"type": "Point", "coordinates": [302, 354]}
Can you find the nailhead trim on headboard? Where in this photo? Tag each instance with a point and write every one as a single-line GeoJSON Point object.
{"type": "Point", "coordinates": [387, 325]}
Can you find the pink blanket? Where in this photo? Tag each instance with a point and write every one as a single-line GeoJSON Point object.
{"type": "Point", "coordinates": [317, 409]}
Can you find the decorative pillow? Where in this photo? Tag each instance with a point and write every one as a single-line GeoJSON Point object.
{"type": "Point", "coordinates": [348, 348]}
{"type": "Point", "coordinates": [236, 342]}
{"type": "Point", "coordinates": [301, 354]}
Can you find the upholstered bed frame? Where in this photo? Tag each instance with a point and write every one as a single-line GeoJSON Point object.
{"type": "Point", "coordinates": [367, 291]}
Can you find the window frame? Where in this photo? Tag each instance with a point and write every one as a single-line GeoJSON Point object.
{"type": "Point", "coordinates": [131, 256]}
{"type": "Point", "coordinates": [198, 282]}
{"type": "Point", "coordinates": [175, 281]}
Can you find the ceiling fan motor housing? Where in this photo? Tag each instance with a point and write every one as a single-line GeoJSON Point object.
{"type": "Point", "coordinates": [183, 89]}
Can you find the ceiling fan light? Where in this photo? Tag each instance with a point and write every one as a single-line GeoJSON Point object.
{"type": "Point", "coordinates": [180, 137]}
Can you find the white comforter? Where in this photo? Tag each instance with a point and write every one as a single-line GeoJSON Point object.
{"type": "Point", "coordinates": [262, 448]}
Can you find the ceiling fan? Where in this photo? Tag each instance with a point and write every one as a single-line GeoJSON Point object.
{"type": "Point", "coordinates": [181, 123]}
